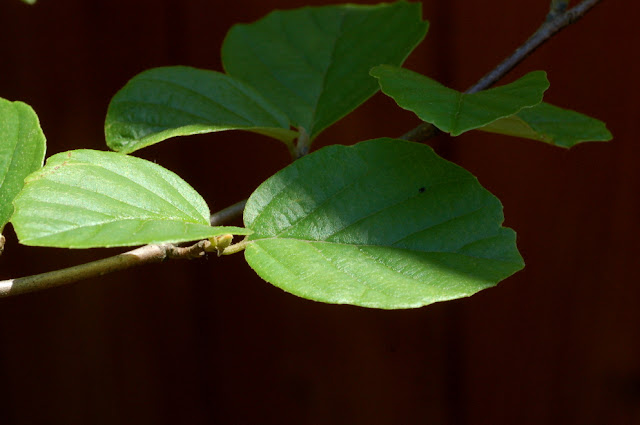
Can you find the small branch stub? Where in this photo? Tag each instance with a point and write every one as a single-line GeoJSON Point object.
{"type": "Point", "coordinates": [557, 7]}
{"type": "Point", "coordinates": [220, 243]}
{"type": "Point", "coordinates": [223, 246]}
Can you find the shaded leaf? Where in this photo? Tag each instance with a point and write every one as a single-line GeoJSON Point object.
{"type": "Point", "coordinates": [177, 101]}
{"type": "Point", "coordinates": [453, 111]}
{"type": "Point", "coordinates": [553, 125]}
{"type": "Point", "coordinates": [314, 62]}
{"type": "Point", "coordinates": [22, 146]}
{"type": "Point", "coordinates": [86, 199]}
{"type": "Point", "coordinates": [385, 223]}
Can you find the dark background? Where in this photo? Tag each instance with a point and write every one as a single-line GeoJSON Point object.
{"type": "Point", "coordinates": [209, 342]}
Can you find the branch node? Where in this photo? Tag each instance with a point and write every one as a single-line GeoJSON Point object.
{"type": "Point", "coordinates": [219, 243]}
{"type": "Point", "coordinates": [196, 250]}
{"type": "Point", "coordinates": [557, 8]}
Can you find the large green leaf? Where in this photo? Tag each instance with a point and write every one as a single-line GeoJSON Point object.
{"type": "Point", "coordinates": [453, 111]}
{"type": "Point", "coordinates": [22, 146]}
{"type": "Point", "coordinates": [314, 62]}
{"type": "Point", "coordinates": [177, 101]}
{"type": "Point", "coordinates": [553, 125]}
{"type": "Point", "coordinates": [385, 223]}
{"type": "Point", "coordinates": [86, 199]}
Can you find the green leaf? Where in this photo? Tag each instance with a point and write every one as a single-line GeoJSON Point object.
{"type": "Point", "coordinates": [22, 146]}
{"type": "Point", "coordinates": [553, 125]}
{"type": "Point", "coordinates": [86, 199]}
{"type": "Point", "coordinates": [177, 101]}
{"type": "Point", "coordinates": [455, 112]}
{"type": "Point", "coordinates": [385, 223]}
{"type": "Point", "coordinates": [314, 62]}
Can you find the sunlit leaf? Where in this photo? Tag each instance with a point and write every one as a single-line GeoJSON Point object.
{"type": "Point", "coordinates": [85, 199]}
{"type": "Point", "coordinates": [385, 224]}
{"type": "Point", "coordinates": [22, 146]}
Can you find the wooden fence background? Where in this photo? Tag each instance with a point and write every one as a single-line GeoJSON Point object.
{"type": "Point", "coordinates": [207, 342]}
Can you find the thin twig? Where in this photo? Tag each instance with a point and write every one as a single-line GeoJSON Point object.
{"type": "Point", "coordinates": [143, 255]}
{"type": "Point", "coordinates": [196, 250]}
{"type": "Point", "coordinates": [228, 214]}
{"type": "Point", "coordinates": [556, 20]}
{"type": "Point", "coordinates": [550, 27]}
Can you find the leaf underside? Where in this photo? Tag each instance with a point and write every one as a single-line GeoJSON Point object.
{"type": "Point", "coordinates": [87, 199]}
{"type": "Point", "coordinates": [22, 147]}
{"type": "Point", "coordinates": [553, 125]}
{"type": "Point", "coordinates": [385, 224]}
{"type": "Point", "coordinates": [314, 62]}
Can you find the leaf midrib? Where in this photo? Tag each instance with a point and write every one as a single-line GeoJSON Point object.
{"type": "Point", "coordinates": [392, 247]}
{"type": "Point", "coordinates": [325, 73]}
{"type": "Point", "coordinates": [211, 100]}
{"type": "Point", "coordinates": [145, 189]}
{"type": "Point", "coordinates": [142, 222]}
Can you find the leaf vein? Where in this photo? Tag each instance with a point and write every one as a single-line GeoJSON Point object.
{"type": "Point", "coordinates": [447, 220]}
{"type": "Point", "coordinates": [211, 100]}
{"type": "Point", "coordinates": [135, 183]}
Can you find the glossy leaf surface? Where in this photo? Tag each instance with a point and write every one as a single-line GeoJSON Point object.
{"type": "Point", "coordinates": [177, 101]}
{"type": "Point", "coordinates": [86, 199]}
{"type": "Point", "coordinates": [385, 224]}
{"type": "Point", "coordinates": [551, 124]}
{"type": "Point", "coordinates": [314, 62]}
{"type": "Point", "coordinates": [455, 112]}
{"type": "Point", "coordinates": [22, 147]}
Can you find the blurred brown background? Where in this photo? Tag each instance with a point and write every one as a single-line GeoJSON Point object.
{"type": "Point", "coordinates": [205, 342]}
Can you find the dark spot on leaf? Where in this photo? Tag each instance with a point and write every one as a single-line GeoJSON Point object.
{"type": "Point", "coordinates": [421, 190]}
